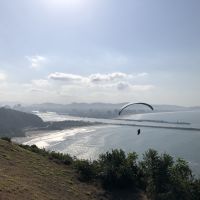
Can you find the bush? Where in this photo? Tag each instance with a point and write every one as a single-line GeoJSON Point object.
{"type": "Point", "coordinates": [86, 169]}
{"type": "Point", "coordinates": [166, 179]}
{"type": "Point", "coordinates": [118, 170]}
{"type": "Point", "coordinates": [63, 158]}
{"type": "Point", "coordinates": [161, 176]}
{"type": "Point", "coordinates": [35, 149]}
{"type": "Point", "coordinates": [181, 179]}
{"type": "Point", "coordinates": [195, 190]}
{"type": "Point", "coordinates": [6, 139]}
{"type": "Point", "coordinates": [156, 171]}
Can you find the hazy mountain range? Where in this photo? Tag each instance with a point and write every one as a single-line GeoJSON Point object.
{"type": "Point", "coordinates": [95, 110]}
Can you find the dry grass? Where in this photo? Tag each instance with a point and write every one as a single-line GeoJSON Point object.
{"type": "Point", "coordinates": [25, 175]}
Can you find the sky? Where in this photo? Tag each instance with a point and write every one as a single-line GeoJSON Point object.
{"type": "Point", "coordinates": [111, 51]}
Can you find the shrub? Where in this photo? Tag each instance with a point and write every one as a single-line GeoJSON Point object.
{"type": "Point", "coordinates": [166, 179]}
{"type": "Point", "coordinates": [118, 170]}
{"type": "Point", "coordinates": [156, 171]}
{"type": "Point", "coordinates": [195, 189]}
{"type": "Point", "coordinates": [161, 176]}
{"type": "Point", "coordinates": [86, 169]}
{"type": "Point", "coordinates": [181, 179]}
{"type": "Point", "coordinates": [6, 139]}
{"type": "Point", "coordinates": [63, 158]}
{"type": "Point", "coordinates": [35, 149]}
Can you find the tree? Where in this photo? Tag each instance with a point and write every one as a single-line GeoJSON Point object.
{"type": "Point", "coordinates": [156, 172]}
{"type": "Point", "coordinates": [118, 170]}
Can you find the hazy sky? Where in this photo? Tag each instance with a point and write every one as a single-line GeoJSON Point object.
{"type": "Point", "coordinates": [100, 50]}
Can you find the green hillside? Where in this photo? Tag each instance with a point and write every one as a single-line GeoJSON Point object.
{"type": "Point", "coordinates": [27, 172]}
{"type": "Point", "coordinates": [25, 175]}
{"type": "Point", "coordinates": [13, 122]}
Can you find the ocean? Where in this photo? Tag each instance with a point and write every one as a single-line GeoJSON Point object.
{"type": "Point", "coordinates": [176, 133]}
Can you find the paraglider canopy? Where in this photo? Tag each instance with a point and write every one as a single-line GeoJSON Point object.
{"type": "Point", "coordinates": [130, 104]}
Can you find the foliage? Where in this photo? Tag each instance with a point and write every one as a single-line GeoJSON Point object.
{"type": "Point", "coordinates": [87, 170]}
{"type": "Point", "coordinates": [156, 171]}
{"type": "Point", "coordinates": [168, 179]}
{"type": "Point", "coordinates": [159, 175]}
{"type": "Point", "coordinates": [6, 139]}
{"type": "Point", "coordinates": [13, 122]}
{"type": "Point", "coordinates": [55, 156]}
{"type": "Point", "coordinates": [195, 190]}
{"type": "Point", "coordinates": [117, 169]}
{"type": "Point", "coordinates": [64, 158]}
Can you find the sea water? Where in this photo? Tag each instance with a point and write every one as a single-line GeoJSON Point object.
{"type": "Point", "coordinates": [89, 142]}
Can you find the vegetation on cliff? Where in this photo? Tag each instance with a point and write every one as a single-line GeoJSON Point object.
{"type": "Point", "coordinates": [13, 122]}
{"type": "Point", "coordinates": [161, 177]}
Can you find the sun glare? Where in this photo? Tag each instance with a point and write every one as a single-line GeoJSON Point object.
{"type": "Point", "coordinates": [66, 6]}
{"type": "Point", "coordinates": [66, 3]}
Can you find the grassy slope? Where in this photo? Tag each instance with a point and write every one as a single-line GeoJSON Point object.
{"type": "Point", "coordinates": [25, 175]}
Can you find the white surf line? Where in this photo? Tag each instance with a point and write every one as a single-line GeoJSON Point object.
{"type": "Point", "coordinates": [46, 139]}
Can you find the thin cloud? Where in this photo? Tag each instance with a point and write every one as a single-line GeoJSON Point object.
{"type": "Point", "coordinates": [97, 84]}
{"type": "Point", "coordinates": [93, 78]}
{"type": "Point", "coordinates": [2, 77]}
{"type": "Point", "coordinates": [142, 74]}
{"type": "Point", "coordinates": [36, 90]}
{"type": "Point", "coordinates": [142, 87]}
{"type": "Point", "coordinates": [36, 62]}
{"type": "Point", "coordinates": [57, 76]}
{"type": "Point", "coordinates": [116, 88]}
{"type": "Point", "coordinates": [40, 83]}
{"type": "Point", "coordinates": [123, 86]}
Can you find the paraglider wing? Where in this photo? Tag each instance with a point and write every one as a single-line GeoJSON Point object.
{"type": "Point", "coordinates": [130, 104]}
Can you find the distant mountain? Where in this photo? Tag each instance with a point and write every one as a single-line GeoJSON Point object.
{"type": "Point", "coordinates": [12, 122]}
{"type": "Point", "coordinates": [195, 108]}
{"type": "Point", "coordinates": [95, 110]}
{"type": "Point", "coordinates": [162, 108]}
